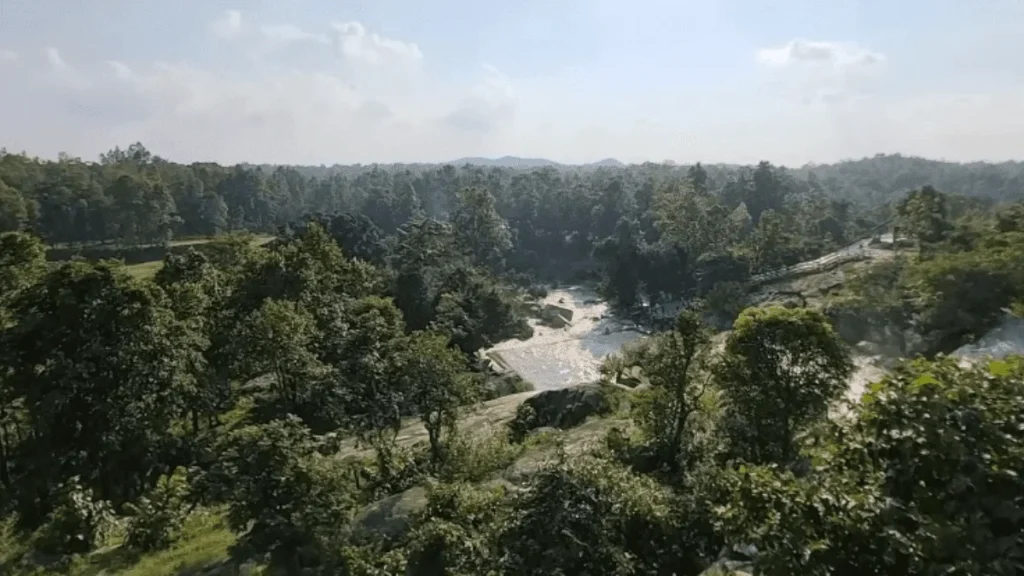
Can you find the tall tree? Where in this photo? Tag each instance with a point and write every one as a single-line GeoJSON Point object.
{"type": "Point", "coordinates": [100, 363]}
{"type": "Point", "coordinates": [479, 229]}
{"type": "Point", "coordinates": [781, 370]}
{"type": "Point", "coordinates": [924, 214]}
{"type": "Point", "coordinates": [13, 209]}
{"type": "Point", "coordinates": [677, 369]}
{"type": "Point", "coordinates": [431, 371]}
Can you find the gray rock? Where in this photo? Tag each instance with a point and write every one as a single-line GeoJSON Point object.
{"type": "Point", "coordinates": [569, 407]}
{"type": "Point", "coordinates": [392, 516]}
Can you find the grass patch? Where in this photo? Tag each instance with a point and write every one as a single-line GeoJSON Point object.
{"type": "Point", "coordinates": [203, 545]}
{"type": "Point", "coordinates": [202, 548]}
{"type": "Point", "coordinates": [145, 270]}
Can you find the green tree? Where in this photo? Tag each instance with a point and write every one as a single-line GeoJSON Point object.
{"type": "Point", "coordinates": [278, 340]}
{"type": "Point", "coordinates": [948, 443]}
{"type": "Point", "coordinates": [924, 214]}
{"type": "Point", "coordinates": [595, 517]}
{"type": "Point", "coordinates": [288, 496]}
{"type": "Point", "coordinates": [13, 209]}
{"type": "Point", "coordinates": [676, 366]}
{"type": "Point", "coordinates": [781, 370]}
{"type": "Point", "coordinates": [457, 532]}
{"type": "Point", "coordinates": [434, 376]}
{"type": "Point", "coordinates": [22, 264]}
{"type": "Point", "coordinates": [99, 362]}
{"type": "Point", "coordinates": [366, 399]}
{"type": "Point", "coordinates": [474, 312]}
{"type": "Point", "coordinates": [213, 214]}
{"type": "Point", "coordinates": [770, 244]}
{"type": "Point", "coordinates": [480, 230]}
{"type": "Point", "coordinates": [824, 524]}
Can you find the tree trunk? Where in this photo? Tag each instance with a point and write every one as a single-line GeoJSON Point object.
{"type": "Point", "coordinates": [434, 435]}
{"type": "Point", "coordinates": [5, 478]}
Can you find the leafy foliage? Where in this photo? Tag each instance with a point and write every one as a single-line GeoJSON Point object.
{"type": "Point", "coordinates": [286, 496]}
{"type": "Point", "coordinates": [158, 516]}
{"type": "Point", "coordinates": [593, 517]}
{"type": "Point", "coordinates": [781, 370]}
{"type": "Point", "coordinates": [100, 364]}
{"type": "Point", "coordinates": [77, 522]}
{"type": "Point", "coordinates": [249, 366]}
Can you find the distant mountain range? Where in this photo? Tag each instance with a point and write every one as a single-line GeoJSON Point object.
{"type": "Point", "coordinates": [517, 162]}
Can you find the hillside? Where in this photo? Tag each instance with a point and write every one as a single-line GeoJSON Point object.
{"type": "Point", "coordinates": [516, 162]}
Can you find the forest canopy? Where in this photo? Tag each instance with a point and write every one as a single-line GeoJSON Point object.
{"type": "Point", "coordinates": [312, 404]}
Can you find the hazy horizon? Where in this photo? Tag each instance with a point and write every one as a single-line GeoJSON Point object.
{"type": "Point", "coordinates": [318, 82]}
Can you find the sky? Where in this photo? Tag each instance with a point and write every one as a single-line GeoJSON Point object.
{"type": "Point", "coordinates": [362, 81]}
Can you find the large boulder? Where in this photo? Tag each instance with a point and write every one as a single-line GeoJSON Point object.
{"type": "Point", "coordinates": [390, 517]}
{"type": "Point", "coordinates": [563, 408]}
{"type": "Point", "coordinates": [569, 407]}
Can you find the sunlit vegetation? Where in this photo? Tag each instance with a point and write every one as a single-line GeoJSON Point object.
{"type": "Point", "coordinates": [317, 403]}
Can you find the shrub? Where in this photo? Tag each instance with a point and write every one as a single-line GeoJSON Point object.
{"type": "Point", "coordinates": [457, 532]}
{"type": "Point", "coordinates": [78, 522]}
{"type": "Point", "coordinates": [593, 516]}
{"type": "Point", "coordinates": [537, 292]}
{"type": "Point", "coordinates": [470, 461]}
{"type": "Point", "coordinates": [157, 518]}
{"type": "Point", "coordinates": [524, 421]}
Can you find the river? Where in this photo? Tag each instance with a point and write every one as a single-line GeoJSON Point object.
{"type": "Point", "coordinates": [561, 357]}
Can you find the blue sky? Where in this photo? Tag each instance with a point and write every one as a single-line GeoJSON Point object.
{"type": "Point", "coordinates": [320, 81]}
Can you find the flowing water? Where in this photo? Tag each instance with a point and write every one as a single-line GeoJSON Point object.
{"type": "Point", "coordinates": [562, 357]}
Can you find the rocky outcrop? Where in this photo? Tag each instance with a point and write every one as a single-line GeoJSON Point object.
{"type": "Point", "coordinates": [563, 408]}
{"type": "Point", "coordinates": [392, 516]}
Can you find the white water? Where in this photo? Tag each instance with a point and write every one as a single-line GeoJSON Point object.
{"type": "Point", "coordinates": [1002, 341]}
{"type": "Point", "coordinates": [562, 357]}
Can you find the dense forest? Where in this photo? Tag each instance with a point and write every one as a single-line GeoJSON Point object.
{"type": "Point", "coordinates": [262, 390]}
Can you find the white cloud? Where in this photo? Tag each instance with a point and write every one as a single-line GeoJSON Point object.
{"type": "Point", "coordinates": [355, 43]}
{"type": "Point", "coordinates": [288, 33]}
{"type": "Point", "coordinates": [8, 55]}
{"type": "Point", "coordinates": [63, 73]}
{"type": "Point", "coordinates": [807, 52]}
{"type": "Point", "coordinates": [830, 74]}
{"type": "Point", "coordinates": [491, 102]}
{"type": "Point", "coordinates": [375, 109]}
{"type": "Point", "coordinates": [120, 71]}
{"type": "Point", "coordinates": [372, 100]}
{"type": "Point", "coordinates": [229, 25]}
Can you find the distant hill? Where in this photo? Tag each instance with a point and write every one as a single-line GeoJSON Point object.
{"type": "Point", "coordinates": [517, 162]}
{"type": "Point", "coordinates": [506, 162]}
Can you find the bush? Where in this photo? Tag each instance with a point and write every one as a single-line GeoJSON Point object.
{"type": "Point", "coordinates": [457, 532]}
{"type": "Point", "coordinates": [537, 292]}
{"type": "Point", "coordinates": [524, 421]}
{"type": "Point", "coordinates": [470, 461]}
{"type": "Point", "coordinates": [157, 518]}
{"type": "Point", "coordinates": [593, 516]}
{"type": "Point", "coordinates": [504, 385]}
{"type": "Point", "coordinates": [404, 468]}
{"type": "Point", "coordinates": [78, 522]}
